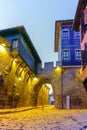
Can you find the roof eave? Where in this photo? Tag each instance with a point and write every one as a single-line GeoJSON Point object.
{"type": "Point", "coordinates": [26, 36]}
{"type": "Point", "coordinates": [22, 31]}
{"type": "Point", "coordinates": [80, 7]}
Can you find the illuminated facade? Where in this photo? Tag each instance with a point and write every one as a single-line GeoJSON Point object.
{"type": "Point", "coordinates": [22, 44]}
{"type": "Point", "coordinates": [18, 69]}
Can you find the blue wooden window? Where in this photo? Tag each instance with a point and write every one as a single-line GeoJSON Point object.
{"type": "Point", "coordinates": [65, 34]}
{"type": "Point", "coordinates": [78, 55]}
{"type": "Point", "coordinates": [76, 35]}
{"type": "Point", "coordinates": [66, 55]}
{"type": "Point", "coordinates": [14, 43]}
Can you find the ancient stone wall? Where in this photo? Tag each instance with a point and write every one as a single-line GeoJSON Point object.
{"type": "Point", "coordinates": [73, 87]}
{"type": "Point", "coordinates": [66, 82]}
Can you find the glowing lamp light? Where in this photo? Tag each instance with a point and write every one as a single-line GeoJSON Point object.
{"type": "Point", "coordinates": [3, 45]}
{"type": "Point", "coordinates": [35, 79]}
{"type": "Point", "coordinates": [15, 59]}
{"type": "Point", "coordinates": [14, 62]}
{"type": "Point", "coordinates": [58, 69]}
{"type": "Point", "coordinates": [80, 71]}
{"type": "Point", "coordinates": [2, 49]}
{"type": "Point", "coordinates": [19, 78]}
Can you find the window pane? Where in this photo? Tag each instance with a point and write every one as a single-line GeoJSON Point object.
{"type": "Point", "coordinates": [65, 54]}
{"type": "Point", "coordinates": [65, 34]}
{"type": "Point", "coordinates": [15, 43]}
{"type": "Point", "coordinates": [76, 35]}
{"type": "Point", "coordinates": [78, 55]}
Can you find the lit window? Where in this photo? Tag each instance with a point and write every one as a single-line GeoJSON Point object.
{"type": "Point", "coordinates": [78, 55]}
{"type": "Point", "coordinates": [65, 34]}
{"type": "Point", "coordinates": [15, 43]}
{"type": "Point", "coordinates": [76, 35]}
{"type": "Point", "coordinates": [66, 55]}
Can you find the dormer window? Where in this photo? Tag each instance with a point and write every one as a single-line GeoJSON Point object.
{"type": "Point", "coordinates": [65, 34]}
{"type": "Point", "coordinates": [14, 43]}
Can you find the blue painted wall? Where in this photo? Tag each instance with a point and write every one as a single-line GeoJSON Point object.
{"type": "Point", "coordinates": [26, 54]}
{"type": "Point", "coordinates": [24, 50]}
{"type": "Point", "coordinates": [72, 44]}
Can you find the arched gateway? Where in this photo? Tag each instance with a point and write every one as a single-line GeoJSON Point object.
{"type": "Point", "coordinates": [51, 75]}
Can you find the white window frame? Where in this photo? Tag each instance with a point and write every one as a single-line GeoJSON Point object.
{"type": "Point", "coordinates": [76, 35]}
{"type": "Point", "coordinates": [67, 57]}
{"type": "Point", "coordinates": [77, 56]}
{"type": "Point", "coordinates": [65, 36]}
{"type": "Point", "coordinates": [15, 43]}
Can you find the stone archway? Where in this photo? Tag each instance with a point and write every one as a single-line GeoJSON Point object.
{"type": "Point", "coordinates": [56, 85]}
{"type": "Point", "coordinates": [66, 82]}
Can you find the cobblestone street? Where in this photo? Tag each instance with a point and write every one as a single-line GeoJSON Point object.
{"type": "Point", "coordinates": [48, 119]}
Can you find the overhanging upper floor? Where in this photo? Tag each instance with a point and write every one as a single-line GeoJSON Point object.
{"type": "Point", "coordinates": [25, 46]}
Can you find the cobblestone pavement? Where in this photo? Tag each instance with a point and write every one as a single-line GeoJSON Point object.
{"type": "Point", "coordinates": [49, 118]}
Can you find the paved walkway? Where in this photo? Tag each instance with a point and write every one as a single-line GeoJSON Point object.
{"type": "Point", "coordinates": [49, 118]}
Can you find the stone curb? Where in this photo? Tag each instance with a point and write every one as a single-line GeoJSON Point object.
{"type": "Point", "coordinates": [15, 110]}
